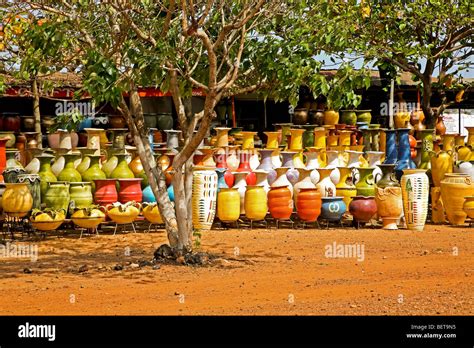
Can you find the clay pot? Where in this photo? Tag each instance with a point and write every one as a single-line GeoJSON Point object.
{"type": "Point", "coordinates": [105, 191]}
{"type": "Point", "coordinates": [300, 116]}
{"type": "Point", "coordinates": [332, 208]}
{"type": "Point", "coordinates": [388, 197]}
{"type": "Point", "coordinates": [11, 121]}
{"type": "Point", "coordinates": [256, 205]}
{"type": "Point", "coordinates": [415, 190]}
{"type": "Point", "coordinates": [308, 206]}
{"type": "Point", "coordinates": [130, 190]}
{"type": "Point", "coordinates": [363, 209]}
{"type": "Point", "coordinates": [468, 206]}
{"type": "Point", "coordinates": [228, 205]}
{"type": "Point", "coordinates": [280, 202]}
{"type": "Point", "coordinates": [28, 123]}
{"type": "Point", "coordinates": [331, 117]}
{"type": "Point", "coordinates": [454, 187]}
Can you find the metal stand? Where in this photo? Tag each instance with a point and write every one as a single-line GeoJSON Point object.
{"type": "Point", "coordinates": [123, 225]}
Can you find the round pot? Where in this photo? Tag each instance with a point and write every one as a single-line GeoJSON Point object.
{"type": "Point", "coordinates": [468, 206]}
{"type": "Point", "coordinates": [151, 120]}
{"type": "Point", "coordinates": [362, 208]}
{"type": "Point", "coordinates": [117, 121]}
{"type": "Point", "coordinates": [331, 117]}
{"type": "Point", "coordinates": [332, 208]}
{"type": "Point", "coordinates": [81, 194]}
{"type": "Point", "coordinates": [17, 200]}
{"type": "Point", "coordinates": [308, 206]}
{"type": "Point", "coordinates": [151, 212]}
{"type": "Point", "coordinates": [454, 187]}
{"type": "Point", "coordinates": [11, 122]}
{"type": "Point", "coordinates": [164, 121]}
{"type": "Point", "coordinates": [348, 117]}
{"type": "Point", "coordinates": [28, 123]}
{"type": "Point", "coordinates": [364, 116]}
{"type": "Point", "coordinates": [280, 202]}
{"type": "Point", "coordinates": [300, 116]}
{"type": "Point", "coordinates": [105, 191]}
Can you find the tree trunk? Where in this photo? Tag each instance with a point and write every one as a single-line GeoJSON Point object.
{"type": "Point", "coordinates": [430, 120]}
{"type": "Point", "coordinates": [155, 176]}
{"type": "Point", "coordinates": [36, 112]}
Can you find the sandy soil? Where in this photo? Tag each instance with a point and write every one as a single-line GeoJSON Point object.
{"type": "Point", "coordinates": [270, 272]}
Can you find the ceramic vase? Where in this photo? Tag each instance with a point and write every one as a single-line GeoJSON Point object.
{"type": "Point", "coordinates": [326, 185]}
{"type": "Point", "coordinates": [454, 187]}
{"type": "Point", "coordinates": [280, 202]}
{"type": "Point", "coordinates": [282, 179]}
{"type": "Point", "coordinates": [228, 205]}
{"type": "Point", "coordinates": [241, 186]}
{"type": "Point", "coordinates": [415, 191]}
{"type": "Point", "coordinates": [256, 206]}
{"type": "Point", "coordinates": [388, 197]}
{"type": "Point", "coordinates": [204, 198]}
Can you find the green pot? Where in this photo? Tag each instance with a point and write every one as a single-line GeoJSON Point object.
{"type": "Point", "coordinates": [364, 116]}
{"type": "Point", "coordinates": [94, 172]}
{"type": "Point", "coordinates": [57, 195]}
{"type": "Point", "coordinates": [33, 183]}
{"type": "Point", "coordinates": [81, 194]}
{"type": "Point", "coordinates": [45, 173]}
{"type": "Point", "coordinates": [365, 186]}
{"type": "Point", "coordinates": [308, 136]}
{"type": "Point", "coordinates": [348, 117]}
{"type": "Point", "coordinates": [86, 161]}
{"type": "Point", "coordinates": [122, 171]}
{"type": "Point", "coordinates": [150, 120]}
{"type": "Point", "coordinates": [69, 173]}
{"type": "Point", "coordinates": [11, 138]}
{"type": "Point", "coordinates": [164, 121]}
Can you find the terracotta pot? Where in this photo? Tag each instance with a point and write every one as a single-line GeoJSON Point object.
{"type": "Point", "coordinates": [388, 197]}
{"type": "Point", "coordinates": [363, 208]}
{"type": "Point", "coordinates": [105, 191]}
{"type": "Point", "coordinates": [415, 190]}
{"type": "Point", "coordinates": [280, 202]}
{"type": "Point", "coordinates": [28, 123]}
{"type": "Point", "coordinates": [130, 190]}
{"type": "Point", "coordinates": [438, 215]}
{"type": "Point", "coordinates": [454, 187]}
{"type": "Point", "coordinates": [256, 205]}
{"type": "Point", "coordinates": [11, 121]}
{"type": "Point", "coordinates": [57, 195]}
{"type": "Point", "coordinates": [332, 208]}
{"type": "Point", "coordinates": [81, 194]}
{"type": "Point", "coordinates": [17, 200]}
{"type": "Point", "coordinates": [309, 204]}
{"type": "Point", "coordinates": [228, 205]}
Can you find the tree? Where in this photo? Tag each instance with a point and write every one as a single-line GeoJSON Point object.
{"type": "Point", "coordinates": [178, 46]}
{"type": "Point", "coordinates": [421, 37]}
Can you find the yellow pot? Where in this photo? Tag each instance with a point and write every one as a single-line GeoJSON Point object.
{"type": "Point", "coordinates": [346, 188]}
{"type": "Point", "coordinates": [123, 213]}
{"type": "Point", "coordinates": [464, 152]}
{"type": "Point", "coordinates": [401, 119]}
{"type": "Point", "coordinates": [136, 166]}
{"type": "Point", "coordinates": [272, 140]}
{"type": "Point", "coordinates": [248, 140]}
{"type": "Point", "coordinates": [228, 205]}
{"type": "Point", "coordinates": [46, 225]}
{"type": "Point", "coordinates": [88, 218]}
{"type": "Point", "coordinates": [470, 137]}
{"type": "Point", "coordinates": [437, 207]}
{"type": "Point", "coordinates": [332, 140]}
{"type": "Point", "coordinates": [454, 187]}
{"type": "Point", "coordinates": [256, 205]}
{"type": "Point", "coordinates": [320, 135]}
{"type": "Point", "coordinates": [17, 200]}
{"type": "Point", "coordinates": [468, 206]}
{"type": "Point", "coordinates": [331, 117]}
{"type": "Point", "coordinates": [152, 213]}
{"type": "Point", "coordinates": [222, 138]}
{"type": "Point", "coordinates": [441, 163]}
{"type": "Point", "coordinates": [345, 138]}
{"type": "Point", "coordinates": [448, 142]}
{"type": "Point", "coordinates": [298, 160]}
{"type": "Point", "coordinates": [296, 142]}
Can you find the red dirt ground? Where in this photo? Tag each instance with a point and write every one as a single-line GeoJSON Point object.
{"type": "Point", "coordinates": [275, 272]}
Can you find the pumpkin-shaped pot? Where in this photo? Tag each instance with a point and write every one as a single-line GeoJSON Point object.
{"type": "Point", "coordinates": [17, 200]}
{"type": "Point", "coordinates": [152, 213]}
{"type": "Point", "coordinates": [308, 206]}
{"type": "Point", "coordinates": [363, 208]}
{"type": "Point", "coordinates": [88, 217]}
{"type": "Point", "coordinates": [280, 202]}
{"type": "Point", "coordinates": [48, 219]}
{"type": "Point", "coordinates": [123, 213]}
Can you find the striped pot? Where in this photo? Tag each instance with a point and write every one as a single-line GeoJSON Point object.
{"type": "Point", "coordinates": [415, 190]}
{"type": "Point", "coordinates": [204, 198]}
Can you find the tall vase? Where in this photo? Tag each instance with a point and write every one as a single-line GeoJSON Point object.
{"type": "Point", "coordinates": [308, 136]}
{"type": "Point", "coordinates": [454, 187]}
{"type": "Point", "coordinates": [313, 162]}
{"type": "Point", "coordinates": [326, 185]}
{"type": "Point", "coordinates": [204, 199]}
{"type": "Point", "coordinates": [228, 205]}
{"type": "Point", "coordinates": [266, 164]}
{"type": "Point", "coordinates": [287, 161]}
{"type": "Point", "coordinates": [346, 188]}
{"type": "Point", "coordinates": [320, 136]}
{"type": "Point", "coordinates": [241, 186]}
{"type": "Point", "coordinates": [221, 183]}
{"type": "Point", "coordinates": [262, 179]}
{"type": "Point", "coordinates": [415, 191]}
{"type": "Point", "coordinates": [296, 142]}
{"type": "Point", "coordinates": [222, 138]}
{"type": "Point", "coordinates": [45, 173]}
{"type": "Point", "coordinates": [70, 173]}
{"type": "Point", "coordinates": [365, 185]}
{"type": "Point", "coordinates": [93, 172]}
{"type": "Point", "coordinates": [404, 155]}
{"type": "Point", "coordinates": [304, 181]}
{"type": "Point", "coordinates": [282, 179]}
{"type": "Point", "coordinates": [272, 140]}
{"type": "Point", "coordinates": [248, 140]}
{"type": "Point", "coordinates": [391, 154]}
{"type": "Point", "coordinates": [388, 197]}
{"type": "Point", "coordinates": [33, 183]}
{"type": "Point", "coordinates": [426, 147]}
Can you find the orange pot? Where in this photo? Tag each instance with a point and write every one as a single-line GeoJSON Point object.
{"type": "Point", "coordinates": [280, 202]}
{"type": "Point", "coordinates": [308, 205]}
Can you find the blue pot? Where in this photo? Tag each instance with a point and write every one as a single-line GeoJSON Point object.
{"type": "Point", "coordinates": [86, 123]}
{"type": "Point", "coordinates": [148, 195]}
{"type": "Point", "coordinates": [171, 193]}
{"type": "Point", "coordinates": [332, 208]}
{"type": "Point", "coordinates": [404, 153]}
{"type": "Point", "coordinates": [391, 155]}
{"type": "Point", "coordinates": [220, 179]}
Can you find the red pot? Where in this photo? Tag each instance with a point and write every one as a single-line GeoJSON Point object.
{"type": "Point", "coordinates": [3, 156]}
{"type": "Point", "coordinates": [11, 122]}
{"type": "Point", "coordinates": [221, 162]}
{"type": "Point", "coordinates": [105, 191]}
{"type": "Point", "coordinates": [130, 190]}
{"type": "Point", "coordinates": [244, 166]}
{"type": "Point", "coordinates": [362, 208]}
{"type": "Point", "coordinates": [308, 205]}
{"type": "Point", "coordinates": [280, 202]}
